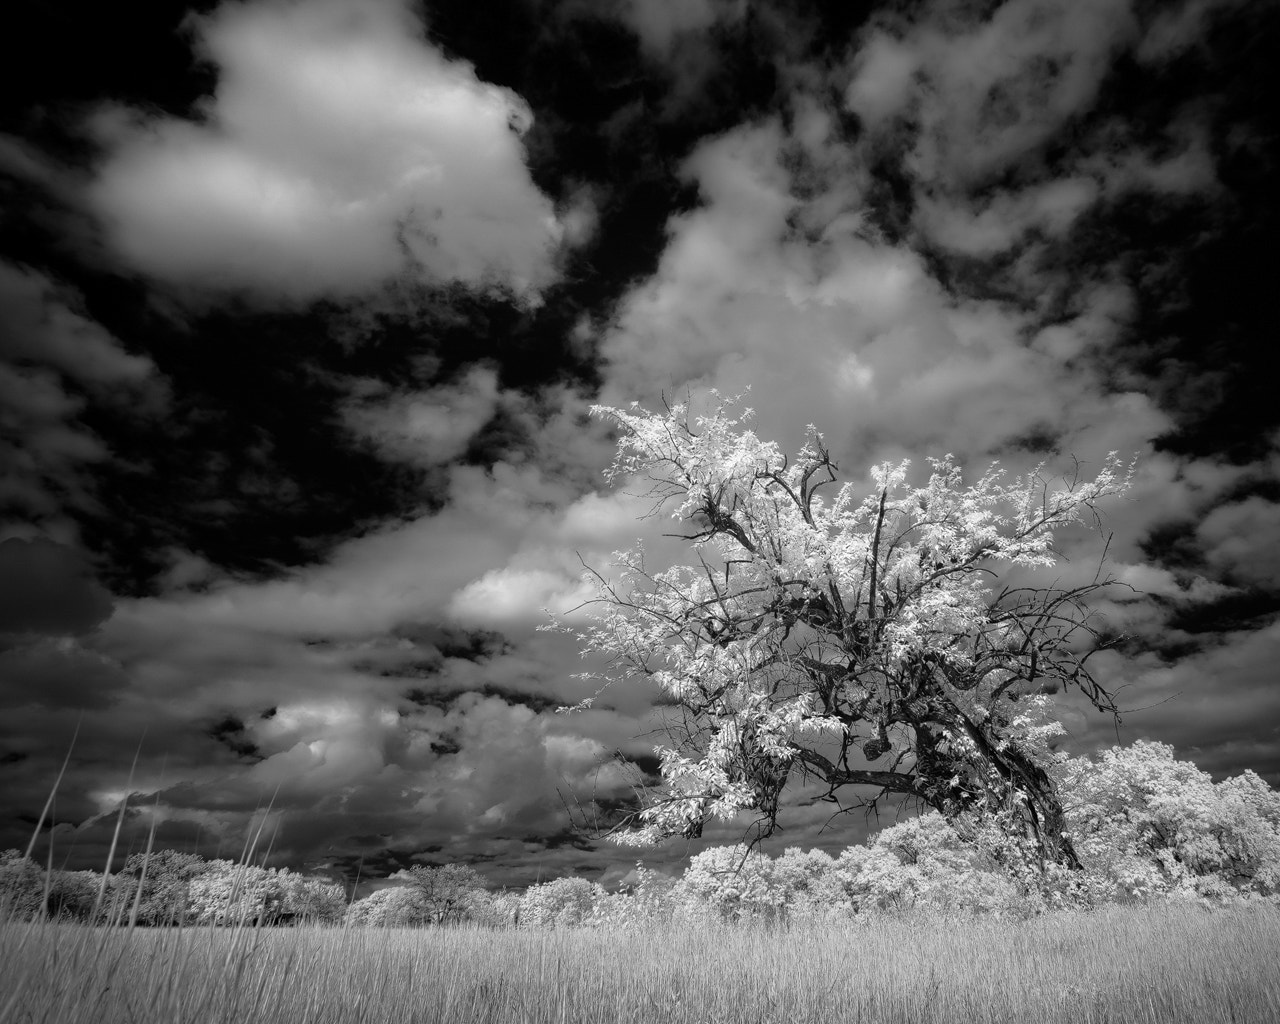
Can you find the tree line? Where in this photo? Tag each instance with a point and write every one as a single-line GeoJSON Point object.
{"type": "Point", "coordinates": [1145, 827]}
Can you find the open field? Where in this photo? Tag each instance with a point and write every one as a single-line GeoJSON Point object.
{"type": "Point", "coordinates": [1125, 966]}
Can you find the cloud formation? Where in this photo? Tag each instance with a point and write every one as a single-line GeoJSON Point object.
{"type": "Point", "coordinates": [339, 151]}
{"type": "Point", "coordinates": [853, 333]}
{"type": "Point", "coordinates": [911, 235]}
{"type": "Point", "coordinates": [55, 364]}
{"type": "Point", "coordinates": [431, 427]}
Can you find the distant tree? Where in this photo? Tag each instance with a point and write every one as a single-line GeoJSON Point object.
{"type": "Point", "coordinates": [28, 890]}
{"type": "Point", "coordinates": [449, 892]}
{"type": "Point", "coordinates": [22, 883]}
{"type": "Point", "coordinates": [875, 879]}
{"type": "Point", "coordinates": [401, 906]}
{"type": "Point", "coordinates": [312, 900]}
{"type": "Point", "coordinates": [856, 642]}
{"type": "Point", "coordinates": [494, 909]}
{"type": "Point", "coordinates": [72, 894]}
{"type": "Point", "coordinates": [732, 882]}
{"type": "Point", "coordinates": [562, 902]}
{"type": "Point", "coordinates": [806, 884]}
{"type": "Point", "coordinates": [227, 893]}
{"type": "Point", "coordinates": [165, 878]}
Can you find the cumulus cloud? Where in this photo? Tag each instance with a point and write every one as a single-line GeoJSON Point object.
{"type": "Point", "coordinates": [974, 99]}
{"type": "Point", "coordinates": [333, 690]}
{"type": "Point", "coordinates": [1050, 209]}
{"type": "Point", "coordinates": [680, 37]}
{"type": "Point", "coordinates": [396, 574]}
{"type": "Point", "coordinates": [850, 332]}
{"type": "Point", "coordinates": [339, 151]}
{"type": "Point", "coordinates": [45, 450]}
{"type": "Point", "coordinates": [1000, 87]}
{"type": "Point", "coordinates": [514, 595]}
{"type": "Point", "coordinates": [1180, 27]}
{"type": "Point", "coordinates": [660, 23]}
{"type": "Point", "coordinates": [55, 362]}
{"type": "Point", "coordinates": [430, 427]}
{"type": "Point", "coordinates": [1242, 539]}
{"type": "Point", "coordinates": [39, 322]}
{"type": "Point", "coordinates": [882, 76]}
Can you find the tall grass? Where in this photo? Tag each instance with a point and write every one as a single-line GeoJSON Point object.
{"type": "Point", "coordinates": [1157, 965]}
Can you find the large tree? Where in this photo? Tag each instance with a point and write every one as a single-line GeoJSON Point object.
{"type": "Point", "coordinates": [889, 637]}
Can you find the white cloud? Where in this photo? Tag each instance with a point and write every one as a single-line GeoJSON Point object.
{"type": "Point", "coordinates": [399, 574]}
{"type": "Point", "coordinates": [658, 23]}
{"type": "Point", "coordinates": [39, 322]}
{"type": "Point", "coordinates": [1007, 85]}
{"type": "Point", "coordinates": [1186, 168]}
{"type": "Point", "coordinates": [1179, 27]}
{"type": "Point", "coordinates": [883, 72]}
{"type": "Point", "coordinates": [1150, 579]}
{"type": "Point", "coordinates": [513, 596]}
{"type": "Point", "coordinates": [430, 427]}
{"type": "Point", "coordinates": [339, 151]}
{"type": "Point", "coordinates": [769, 284]}
{"type": "Point", "coordinates": [853, 333]}
{"type": "Point", "coordinates": [971, 97]}
{"type": "Point", "coordinates": [1243, 539]}
{"type": "Point", "coordinates": [1049, 209]}
{"type": "Point", "coordinates": [54, 360]}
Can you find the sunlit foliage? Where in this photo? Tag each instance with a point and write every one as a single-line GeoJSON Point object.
{"type": "Point", "coordinates": [858, 638]}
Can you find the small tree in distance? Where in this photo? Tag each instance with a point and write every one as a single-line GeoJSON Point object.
{"type": "Point", "coordinates": [448, 891]}
{"type": "Point", "coordinates": [855, 643]}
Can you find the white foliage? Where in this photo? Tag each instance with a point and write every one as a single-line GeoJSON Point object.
{"type": "Point", "coordinates": [562, 902]}
{"type": "Point", "coordinates": [1155, 825]}
{"type": "Point", "coordinates": [733, 882]}
{"type": "Point", "coordinates": [899, 577]}
{"type": "Point", "coordinates": [392, 907]}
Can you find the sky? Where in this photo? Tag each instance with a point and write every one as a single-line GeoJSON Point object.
{"type": "Point", "coordinates": [303, 306]}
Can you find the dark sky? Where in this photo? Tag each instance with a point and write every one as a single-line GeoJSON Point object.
{"type": "Point", "coordinates": [302, 306]}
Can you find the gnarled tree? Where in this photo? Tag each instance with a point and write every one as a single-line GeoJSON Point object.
{"type": "Point", "coordinates": [855, 641]}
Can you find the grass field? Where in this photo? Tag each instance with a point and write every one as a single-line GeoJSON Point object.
{"type": "Point", "coordinates": [1125, 966]}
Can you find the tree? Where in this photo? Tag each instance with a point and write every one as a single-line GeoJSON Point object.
{"type": "Point", "coordinates": [22, 883]}
{"type": "Point", "coordinates": [72, 894]}
{"type": "Point", "coordinates": [228, 893]}
{"type": "Point", "coordinates": [562, 902]}
{"type": "Point", "coordinates": [448, 891]}
{"type": "Point", "coordinates": [924, 862]}
{"type": "Point", "coordinates": [1154, 825]}
{"type": "Point", "coordinates": [857, 643]}
{"type": "Point", "coordinates": [312, 900]}
{"type": "Point", "coordinates": [165, 878]}
{"type": "Point", "coordinates": [735, 882]}
{"type": "Point", "coordinates": [400, 906]}
{"type": "Point", "coordinates": [806, 883]}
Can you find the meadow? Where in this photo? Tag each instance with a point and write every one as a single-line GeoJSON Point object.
{"type": "Point", "coordinates": [1136, 965]}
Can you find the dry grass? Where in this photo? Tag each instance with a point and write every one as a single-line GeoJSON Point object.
{"type": "Point", "coordinates": [1125, 966]}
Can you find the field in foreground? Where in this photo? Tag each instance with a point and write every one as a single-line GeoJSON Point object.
{"type": "Point", "coordinates": [1126, 966]}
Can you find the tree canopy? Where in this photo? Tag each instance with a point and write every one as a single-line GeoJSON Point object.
{"type": "Point", "coordinates": [855, 638]}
